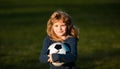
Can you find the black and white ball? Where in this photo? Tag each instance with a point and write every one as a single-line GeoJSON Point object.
{"type": "Point", "coordinates": [59, 48]}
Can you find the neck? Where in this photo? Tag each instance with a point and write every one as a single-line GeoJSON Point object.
{"type": "Point", "coordinates": [64, 37]}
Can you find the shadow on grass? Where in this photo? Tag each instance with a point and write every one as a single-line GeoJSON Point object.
{"type": "Point", "coordinates": [90, 61]}
{"type": "Point", "coordinates": [23, 63]}
{"type": "Point", "coordinates": [100, 58]}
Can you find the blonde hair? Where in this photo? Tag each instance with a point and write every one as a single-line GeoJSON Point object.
{"type": "Point", "coordinates": [60, 15]}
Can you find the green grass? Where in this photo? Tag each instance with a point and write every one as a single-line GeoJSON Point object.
{"type": "Point", "coordinates": [23, 28]}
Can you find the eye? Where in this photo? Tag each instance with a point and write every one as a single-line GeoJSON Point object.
{"type": "Point", "coordinates": [63, 25]}
{"type": "Point", "coordinates": [55, 25]}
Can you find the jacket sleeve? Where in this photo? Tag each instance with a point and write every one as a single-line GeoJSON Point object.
{"type": "Point", "coordinates": [69, 57]}
{"type": "Point", "coordinates": [43, 55]}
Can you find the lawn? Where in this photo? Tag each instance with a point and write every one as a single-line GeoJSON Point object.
{"type": "Point", "coordinates": [23, 28]}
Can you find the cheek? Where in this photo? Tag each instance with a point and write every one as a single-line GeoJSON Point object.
{"type": "Point", "coordinates": [54, 29]}
{"type": "Point", "coordinates": [65, 28]}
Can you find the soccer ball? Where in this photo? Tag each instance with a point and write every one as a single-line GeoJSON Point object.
{"type": "Point", "coordinates": [59, 48]}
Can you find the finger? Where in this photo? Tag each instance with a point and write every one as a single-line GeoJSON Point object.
{"type": "Point", "coordinates": [57, 51]}
{"type": "Point", "coordinates": [48, 55]}
{"type": "Point", "coordinates": [49, 60]}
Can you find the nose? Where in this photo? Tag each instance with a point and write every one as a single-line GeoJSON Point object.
{"type": "Point", "coordinates": [60, 28]}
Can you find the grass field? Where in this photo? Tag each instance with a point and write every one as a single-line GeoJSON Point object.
{"type": "Point", "coordinates": [23, 28]}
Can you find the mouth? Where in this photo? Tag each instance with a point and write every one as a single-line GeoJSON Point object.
{"type": "Point", "coordinates": [60, 32]}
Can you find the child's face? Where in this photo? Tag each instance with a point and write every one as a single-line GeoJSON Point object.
{"type": "Point", "coordinates": [59, 28]}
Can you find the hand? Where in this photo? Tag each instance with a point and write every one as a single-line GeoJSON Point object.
{"type": "Point", "coordinates": [50, 58]}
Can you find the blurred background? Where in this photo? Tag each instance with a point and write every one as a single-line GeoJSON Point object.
{"type": "Point", "coordinates": [23, 28]}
